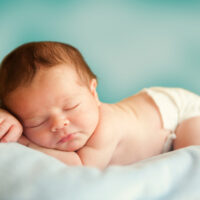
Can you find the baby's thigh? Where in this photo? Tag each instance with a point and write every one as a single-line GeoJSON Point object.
{"type": "Point", "coordinates": [188, 133]}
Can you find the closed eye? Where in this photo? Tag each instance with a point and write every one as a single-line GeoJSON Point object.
{"type": "Point", "coordinates": [72, 107]}
{"type": "Point", "coordinates": [35, 125]}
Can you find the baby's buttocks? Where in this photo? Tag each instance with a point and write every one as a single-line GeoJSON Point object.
{"type": "Point", "coordinates": [175, 105]}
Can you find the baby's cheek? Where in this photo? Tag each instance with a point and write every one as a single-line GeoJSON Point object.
{"type": "Point", "coordinates": [36, 136]}
{"type": "Point", "coordinates": [90, 121]}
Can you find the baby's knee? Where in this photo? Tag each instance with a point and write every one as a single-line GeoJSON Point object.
{"type": "Point", "coordinates": [188, 133]}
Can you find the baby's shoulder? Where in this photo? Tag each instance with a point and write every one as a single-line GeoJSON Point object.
{"type": "Point", "coordinates": [105, 129]}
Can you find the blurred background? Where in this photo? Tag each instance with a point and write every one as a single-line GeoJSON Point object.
{"type": "Point", "coordinates": [129, 44]}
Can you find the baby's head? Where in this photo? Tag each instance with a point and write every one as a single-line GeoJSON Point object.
{"type": "Point", "coordinates": [52, 91]}
{"type": "Point", "coordinates": [21, 65]}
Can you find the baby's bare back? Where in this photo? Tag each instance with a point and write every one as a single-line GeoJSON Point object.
{"type": "Point", "coordinates": [139, 126]}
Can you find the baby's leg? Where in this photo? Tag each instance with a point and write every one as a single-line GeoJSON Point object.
{"type": "Point", "coordinates": [188, 133]}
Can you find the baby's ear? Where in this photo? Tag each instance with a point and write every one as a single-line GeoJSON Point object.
{"type": "Point", "coordinates": [93, 87]}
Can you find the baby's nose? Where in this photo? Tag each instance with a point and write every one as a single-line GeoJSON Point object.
{"type": "Point", "coordinates": [59, 124]}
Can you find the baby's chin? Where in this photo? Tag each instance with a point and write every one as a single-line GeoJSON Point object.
{"type": "Point", "coordinates": [72, 146]}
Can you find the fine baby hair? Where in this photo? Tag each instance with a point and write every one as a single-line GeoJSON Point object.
{"type": "Point", "coordinates": [20, 66]}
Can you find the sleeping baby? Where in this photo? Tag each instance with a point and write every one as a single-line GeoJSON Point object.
{"type": "Point", "coordinates": [50, 103]}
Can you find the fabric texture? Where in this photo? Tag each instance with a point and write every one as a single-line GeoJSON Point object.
{"type": "Point", "coordinates": [27, 174]}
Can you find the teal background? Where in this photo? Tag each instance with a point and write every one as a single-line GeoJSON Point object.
{"type": "Point", "coordinates": [128, 44]}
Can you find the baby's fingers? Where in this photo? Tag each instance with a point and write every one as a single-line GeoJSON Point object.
{"type": "Point", "coordinates": [13, 134]}
{"type": "Point", "coordinates": [4, 127]}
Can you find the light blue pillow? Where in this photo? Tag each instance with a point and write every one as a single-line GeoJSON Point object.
{"type": "Point", "coordinates": [26, 174]}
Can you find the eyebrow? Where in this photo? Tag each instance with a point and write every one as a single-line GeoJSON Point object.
{"type": "Point", "coordinates": [65, 99]}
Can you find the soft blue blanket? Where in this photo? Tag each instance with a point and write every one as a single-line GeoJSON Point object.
{"type": "Point", "coordinates": [26, 174]}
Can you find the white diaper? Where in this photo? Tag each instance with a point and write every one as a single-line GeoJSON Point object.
{"type": "Point", "coordinates": [175, 105]}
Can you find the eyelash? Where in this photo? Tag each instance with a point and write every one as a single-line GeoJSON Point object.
{"type": "Point", "coordinates": [35, 126]}
{"type": "Point", "coordinates": [71, 108]}
{"type": "Point", "coordinates": [66, 109]}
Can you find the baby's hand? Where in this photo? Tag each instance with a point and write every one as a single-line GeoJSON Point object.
{"type": "Point", "coordinates": [10, 127]}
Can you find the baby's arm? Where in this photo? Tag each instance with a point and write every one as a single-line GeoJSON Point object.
{"type": "Point", "coordinates": [99, 150]}
{"type": "Point", "coordinates": [188, 133]}
{"type": "Point", "coordinates": [69, 158]}
{"type": "Point", "coordinates": [10, 127]}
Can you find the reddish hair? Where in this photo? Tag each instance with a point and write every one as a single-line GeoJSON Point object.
{"type": "Point", "coordinates": [20, 66]}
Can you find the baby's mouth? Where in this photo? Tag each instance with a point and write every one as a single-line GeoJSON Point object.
{"type": "Point", "coordinates": [66, 138]}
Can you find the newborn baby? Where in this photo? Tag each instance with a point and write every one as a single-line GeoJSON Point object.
{"type": "Point", "coordinates": [51, 93]}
